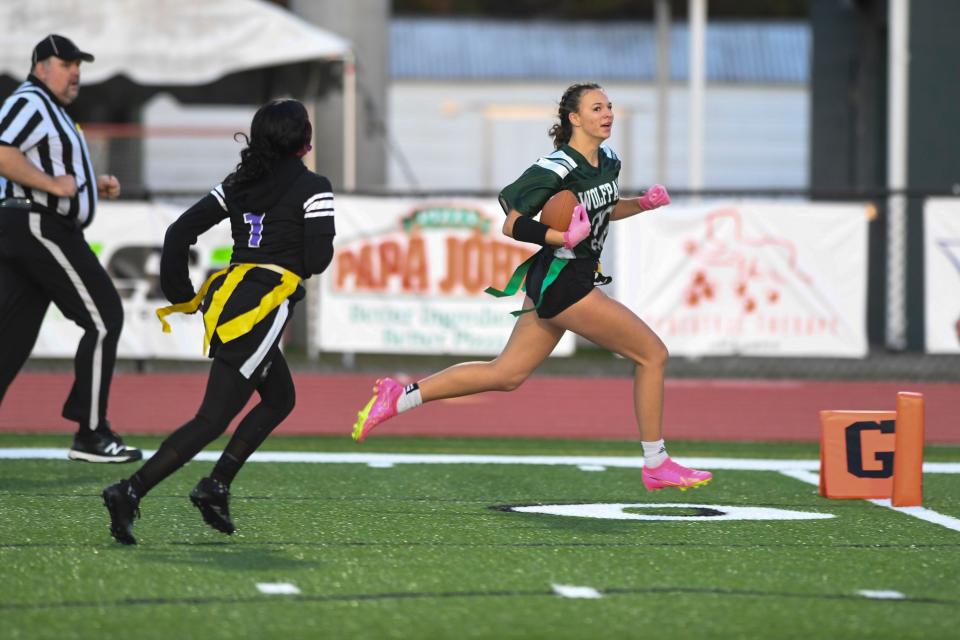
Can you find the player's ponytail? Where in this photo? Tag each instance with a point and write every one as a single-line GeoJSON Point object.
{"type": "Point", "coordinates": [569, 103]}
{"type": "Point", "coordinates": [279, 129]}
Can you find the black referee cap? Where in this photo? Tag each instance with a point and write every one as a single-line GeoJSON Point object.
{"type": "Point", "coordinates": [63, 48]}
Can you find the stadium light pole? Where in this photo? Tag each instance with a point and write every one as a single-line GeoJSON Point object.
{"type": "Point", "coordinates": [662, 20]}
{"type": "Point", "coordinates": [697, 82]}
{"type": "Point", "coordinates": [349, 122]}
{"type": "Point", "coordinates": [898, 73]}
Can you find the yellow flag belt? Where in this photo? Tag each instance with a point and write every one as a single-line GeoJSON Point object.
{"type": "Point", "coordinates": [245, 321]}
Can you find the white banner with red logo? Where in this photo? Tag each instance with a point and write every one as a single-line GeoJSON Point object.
{"type": "Point", "coordinates": [757, 279]}
{"type": "Point", "coordinates": [128, 238]}
{"type": "Point", "coordinates": [941, 230]}
{"type": "Point", "coordinates": [408, 276]}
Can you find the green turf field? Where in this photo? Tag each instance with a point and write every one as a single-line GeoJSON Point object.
{"type": "Point", "coordinates": [431, 550]}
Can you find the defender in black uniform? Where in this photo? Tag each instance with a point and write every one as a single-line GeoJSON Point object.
{"type": "Point", "coordinates": [561, 287]}
{"type": "Point", "coordinates": [281, 217]}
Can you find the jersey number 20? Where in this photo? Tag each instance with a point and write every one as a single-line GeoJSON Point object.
{"type": "Point", "coordinates": [255, 220]}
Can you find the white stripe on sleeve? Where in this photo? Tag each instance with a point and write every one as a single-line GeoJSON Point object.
{"type": "Point", "coordinates": [321, 199]}
{"type": "Point", "coordinates": [217, 192]}
{"type": "Point", "coordinates": [319, 205]}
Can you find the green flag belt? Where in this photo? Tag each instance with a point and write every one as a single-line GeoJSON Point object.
{"type": "Point", "coordinates": [517, 281]}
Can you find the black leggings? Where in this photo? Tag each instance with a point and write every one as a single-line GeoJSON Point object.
{"type": "Point", "coordinates": [226, 395]}
{"type": "Point", "coordinates": [44, 259]}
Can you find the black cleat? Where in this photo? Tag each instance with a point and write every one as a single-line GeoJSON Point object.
{"type": "Point", "coordinates": [124, 505]}
{"type": "Point", "coordinates": [102, 445]}
{"type": "Point", "coordinates": [213, 500]}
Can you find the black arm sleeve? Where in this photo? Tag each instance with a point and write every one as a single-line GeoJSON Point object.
{"type": "Point", "coordinates": [180, 236]}
{"type": "Point", "coordinates": [529, 230]}
{"type": "Point", "coordinates": [319, 253]}
{"type": "Point", "coordinates": [318, 227]}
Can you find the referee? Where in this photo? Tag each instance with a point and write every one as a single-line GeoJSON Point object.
{"type": "Point", "coordinates": [49, 196]}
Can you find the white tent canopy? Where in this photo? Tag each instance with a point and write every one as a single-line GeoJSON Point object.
{"type": "Point", "coordinates": [180, 43]}
{"type": "Point", "coordinates": [165, 42]}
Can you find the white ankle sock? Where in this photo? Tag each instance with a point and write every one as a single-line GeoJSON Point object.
{"type": "Point", "coordinates": [410, 398]}
{"type": "Point", "coordinates": [654, 453]}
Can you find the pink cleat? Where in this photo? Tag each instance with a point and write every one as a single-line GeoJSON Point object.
{"type": "Point", "coordinates": [382, 406]}
{"type": "Point", "coordinates": [671, 474]}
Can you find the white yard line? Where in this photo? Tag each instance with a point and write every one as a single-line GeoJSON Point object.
{"type": "Point", "coordinates": [928, 515]}
{"type": "Point", "coordinates": [803, 476]}
{"type": "Point", "coordinates": [570, 591]}
{"type": "Point", "coordinates": [922, 513]}
{"type": "Point", "coordinates": [881, 595]}
{"type": "Point", "coordinates": [387, 459]}
{"type": "Point", "coordinates": [277, 588]}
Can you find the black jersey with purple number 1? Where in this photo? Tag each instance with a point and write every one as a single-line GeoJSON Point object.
{"type": "Point", "coordinates": [268, 229]}
{"type": "Point", "coordinates": [283, 219]}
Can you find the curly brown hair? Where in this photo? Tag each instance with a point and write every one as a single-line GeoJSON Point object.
{"type": "Point", "coordinates": [569, 103]}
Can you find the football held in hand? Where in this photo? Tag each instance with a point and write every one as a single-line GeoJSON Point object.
{"type": "Point", "coordinates": [558, 210]}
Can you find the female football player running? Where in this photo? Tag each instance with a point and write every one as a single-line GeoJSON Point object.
{"type": "Point", "coordinates": [281, 218]}
{"type": "Point", "coordinates": [561, 288]}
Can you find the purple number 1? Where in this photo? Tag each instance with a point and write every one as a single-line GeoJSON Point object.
{"type": "Point", "coordinates": [255, 220]}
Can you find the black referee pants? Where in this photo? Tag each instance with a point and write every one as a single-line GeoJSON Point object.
{"type": "Point", "coordinates": [45, 259]}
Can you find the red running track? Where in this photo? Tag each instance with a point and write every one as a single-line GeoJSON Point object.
{"type": "Point", "coordinates": [545, 406]}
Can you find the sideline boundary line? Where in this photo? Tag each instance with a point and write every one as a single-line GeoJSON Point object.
{"type": "Point", "coordinates": [390, 459]}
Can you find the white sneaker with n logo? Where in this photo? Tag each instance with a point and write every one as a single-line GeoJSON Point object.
{"type": "Point", "coordinates": [102, 445]}
{"type": "Point", "coordinates": [114, 449]}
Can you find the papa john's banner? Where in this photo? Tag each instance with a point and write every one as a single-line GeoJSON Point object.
{"type": "Point", "coordinates": [748, 278]}
{"type": "Point", "coordinates": [128, 238]}
{"type": "Point", "coordinates": [941, 231]}
{"type": "Point", "coordinates": [408, 276]}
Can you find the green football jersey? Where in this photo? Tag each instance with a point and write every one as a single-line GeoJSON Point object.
{"type": "Point", "coordinates": [596, 187]}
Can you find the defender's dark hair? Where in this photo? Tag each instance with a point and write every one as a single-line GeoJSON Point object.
{"type": "Point", "coordinates": [569, 103]}
{"type": "Point", "coordinates": [279, 129]}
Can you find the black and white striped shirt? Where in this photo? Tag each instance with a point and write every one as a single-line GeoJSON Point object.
{"type": "Point", "coordinates": [32, 120]}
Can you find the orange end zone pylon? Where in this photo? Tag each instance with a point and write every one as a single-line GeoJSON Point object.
{"type": "Point", "coordinates": [908, 457]}
{"type": "Point", "coordinates": [874, 454]}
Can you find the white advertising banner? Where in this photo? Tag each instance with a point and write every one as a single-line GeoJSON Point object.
{"type": "Point", "coordinates": [748, 278]}
{"type": "Point", "coordinates": [128, 238]}
{"type": "Point", "coordinates": [941, 231]}
{"type": "Point", "coordinates": [408, 276]}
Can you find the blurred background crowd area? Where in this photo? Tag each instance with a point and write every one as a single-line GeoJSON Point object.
{"type": "Point", "coordinates": [795, 101]}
